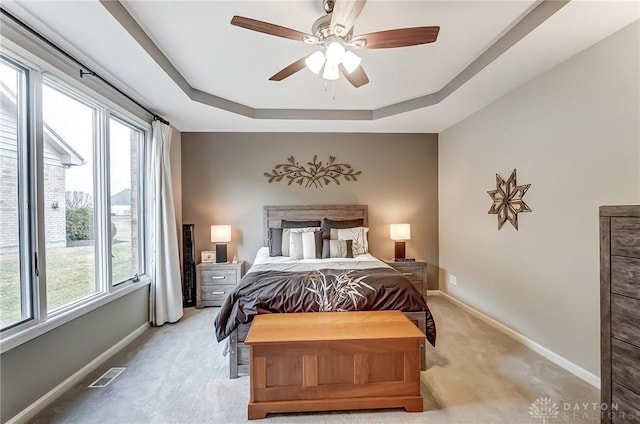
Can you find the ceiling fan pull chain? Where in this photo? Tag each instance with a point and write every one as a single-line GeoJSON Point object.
{"type": "Point", "coordinates": [333, 89]}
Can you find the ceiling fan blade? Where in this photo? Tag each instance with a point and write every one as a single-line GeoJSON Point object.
{"type": "Point", "coordinates": [345, 13]}
{"type": "Point", "coordinates": [271, 29]}
{"type": "Point", "coordinates": [289, 70]}
{"type": "Point", "coordinates": [357, 78]}
{"type": "Point", "coordinates": [401, 37]}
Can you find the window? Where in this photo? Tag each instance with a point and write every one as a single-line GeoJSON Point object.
{"type": "Point", "coordinates": [15, 290]}
{"type": "Point", "coordinates": [124, 146]}
{"type": "Point", "coordinates": [81, 168]}
{"type": "Point", "coordinates": [69, 218]}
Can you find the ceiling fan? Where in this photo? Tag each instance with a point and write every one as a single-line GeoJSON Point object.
{"type": "Point", "coordinates": [333, 33]}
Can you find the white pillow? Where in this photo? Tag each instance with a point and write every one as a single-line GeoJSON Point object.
{"type": "Point", "coordinates": [302, 243]}
{"type": "Point", "coordinates": [308, 245]}
{"type": "Point", "coordinates": [358, 235]}
{"type": "Point", "coordinates": [337, 248]}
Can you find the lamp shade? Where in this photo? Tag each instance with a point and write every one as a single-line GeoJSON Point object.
{"type": "Point", "coordinates": [220, 233]}
{"type": "Point", "coordinates": [315, 62]}
{"type": "Point", "coordinates": [400, 232]}
{"type": "Point", "coordinates": [351, 61]}
{"type": "Point", "coordinates": [335, 53]}
{"type": "Point", "coordinates": [330, 71]}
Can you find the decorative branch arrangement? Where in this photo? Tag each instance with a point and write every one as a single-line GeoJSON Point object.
{"type": "Point", "coordinates": [507, 200]}
{"type": "Point", "coordinates": [316, 175]}
{"type": "Point", "coordinates": [332, 296]}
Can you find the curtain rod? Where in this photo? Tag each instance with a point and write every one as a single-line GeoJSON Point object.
{"type": "Point", "coordinates": [88, 71]}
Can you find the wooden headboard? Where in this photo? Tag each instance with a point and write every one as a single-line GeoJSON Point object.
{"type": "Point", "coordinates": [273, 215]}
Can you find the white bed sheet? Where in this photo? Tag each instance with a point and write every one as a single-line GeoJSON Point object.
{"type": "Point", "coordinates": [264, 262]}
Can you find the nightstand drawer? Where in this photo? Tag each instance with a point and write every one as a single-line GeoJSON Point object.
{"type": "Point", "coordinates": [216, 293]}
{"type": "Point", "coordinates": [415, 271]}
{"type": "Point", "coordinates": [412, 272]}
{"type": "Point", "coordinates": [219, 276]}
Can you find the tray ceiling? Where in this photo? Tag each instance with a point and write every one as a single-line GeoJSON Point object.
{"type": "Point", "coordinates": [219, 62]}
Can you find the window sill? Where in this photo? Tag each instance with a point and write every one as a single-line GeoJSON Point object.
{"type": "Point", "coordinates": [16, 339]}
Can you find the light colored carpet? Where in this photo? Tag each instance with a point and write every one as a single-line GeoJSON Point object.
{"type": "Point", "coordinates": [476, 375]}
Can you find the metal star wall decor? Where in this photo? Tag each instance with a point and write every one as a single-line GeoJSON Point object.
{"type": "Point", "coordinates": [507, 200]}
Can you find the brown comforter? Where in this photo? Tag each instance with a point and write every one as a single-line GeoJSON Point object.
{"type": "Point", "coordinates": [323, 290]}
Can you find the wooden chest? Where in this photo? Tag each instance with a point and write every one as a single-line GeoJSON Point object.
{"type": "Point", "coordinates": [620, 311]}
{"type": "Point", "coordinates": [322, 361]}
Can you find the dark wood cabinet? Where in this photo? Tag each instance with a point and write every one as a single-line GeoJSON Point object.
{"type": "Point", "coordinates": [620, 311]}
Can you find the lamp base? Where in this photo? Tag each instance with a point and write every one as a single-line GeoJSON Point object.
{"type": "Point", "coordinates": [399, 250]}
{"type": "Point", "coordinates": [221, 253]}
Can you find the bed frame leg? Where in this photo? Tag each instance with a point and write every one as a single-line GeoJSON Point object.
{"type": "Point", "coordinates": [233, 354]}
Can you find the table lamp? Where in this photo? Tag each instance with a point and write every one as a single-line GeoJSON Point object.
{"type": "Point", "coordinates": [400, 233]}
{"type": "Point", "coordinates": [221, 235]}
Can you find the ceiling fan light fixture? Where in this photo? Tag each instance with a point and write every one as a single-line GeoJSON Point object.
{"type": "Point", "coordinates": [315, 61]}
{"type": "Point", "coordinates": [331, 71]}
{"type": "Point", "coordinates": [335, 53]}
{"type": "Point", "coordinates": [351, 61]}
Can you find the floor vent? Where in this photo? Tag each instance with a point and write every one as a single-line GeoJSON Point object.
{"type": "Point", "coordinates": [106, 378]}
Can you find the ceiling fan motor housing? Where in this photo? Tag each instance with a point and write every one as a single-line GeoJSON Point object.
{"type": "Point", "coordinates": [321, 28]}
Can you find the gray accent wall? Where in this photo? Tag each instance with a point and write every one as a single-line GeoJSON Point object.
{"type": "Point", "coordinates": [32, 369]}
{"type": "Point", "coordinates": [573, 133]}
{"type": "Point", "coordinates": [223, 183]}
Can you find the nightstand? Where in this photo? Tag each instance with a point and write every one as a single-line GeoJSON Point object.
{"type": "Point", "coordinates": [416, 272]}
{"type": "Point", "coordinates": [215, 281]}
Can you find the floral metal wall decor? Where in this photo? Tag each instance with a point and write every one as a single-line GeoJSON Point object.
{"type": "Point", "coordinates": [317, 174]}
{"type": "Point", "coordinates": [507, 200]}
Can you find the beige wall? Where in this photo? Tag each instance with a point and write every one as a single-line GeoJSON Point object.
{"type": "Point", "coordinates": [573, 134]}
{"type": "Point", "coordinates": [223, 183]}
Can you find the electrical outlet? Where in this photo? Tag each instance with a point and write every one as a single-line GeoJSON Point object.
{"type": "Point", "coordinates": [453, 280]}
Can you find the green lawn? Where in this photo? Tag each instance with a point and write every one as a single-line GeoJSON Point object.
{"type": "Point", "coordinates": [70, 275]}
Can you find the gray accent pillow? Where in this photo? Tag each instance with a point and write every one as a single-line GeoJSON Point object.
{"type": "Point", "coordinates": [328, 224]}
{"type": "Point", "coordinates": [299, 224]}
{"type": "Point", "coordinates": [275, 241]}
{"type": "Point", "coordinates": [337, 249]}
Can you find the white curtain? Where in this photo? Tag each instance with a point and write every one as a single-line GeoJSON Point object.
{"type": "Point", "coordinates": [165, 304]}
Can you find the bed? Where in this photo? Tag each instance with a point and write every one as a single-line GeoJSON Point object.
{"type": "Point", "coordinates": [280, 284]}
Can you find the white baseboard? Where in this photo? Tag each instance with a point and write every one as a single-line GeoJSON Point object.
{"type": "Point", "coordinates": [577, 370]}
{"type": "Point", "coordinates": [53, 394]}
